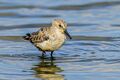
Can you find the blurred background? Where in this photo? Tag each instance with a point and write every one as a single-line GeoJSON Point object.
{"type": "Point", "coordinates": [92, 54]}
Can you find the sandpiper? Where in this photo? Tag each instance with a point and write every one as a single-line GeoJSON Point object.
{"type": "Point", "coordinates": [49, 39]}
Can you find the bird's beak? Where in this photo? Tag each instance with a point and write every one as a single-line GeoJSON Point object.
{"type": "Point", "coordinates": [66, 32]}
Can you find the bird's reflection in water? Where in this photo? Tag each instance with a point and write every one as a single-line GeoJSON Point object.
{"type": "Point", "coordinates": [47, 70]}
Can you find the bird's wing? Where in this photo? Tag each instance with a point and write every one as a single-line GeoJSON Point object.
{"type": "Point", "coordinates": [39, 36]}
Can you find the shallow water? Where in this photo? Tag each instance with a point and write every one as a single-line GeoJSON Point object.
{"type": "Point", "coordinates": [92, 54]}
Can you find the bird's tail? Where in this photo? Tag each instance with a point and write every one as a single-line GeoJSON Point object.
{"type": "Point", "coordinates": [27, 36]}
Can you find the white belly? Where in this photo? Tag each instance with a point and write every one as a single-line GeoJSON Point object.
{"type": "Point", "coordinates": [51, 45]}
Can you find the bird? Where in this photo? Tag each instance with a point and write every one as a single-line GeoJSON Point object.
{"type": "Point", "coordinates": [49, 39]}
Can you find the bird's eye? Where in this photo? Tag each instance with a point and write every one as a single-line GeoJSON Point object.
{"type": "Point", "coordinates": [60, 26]}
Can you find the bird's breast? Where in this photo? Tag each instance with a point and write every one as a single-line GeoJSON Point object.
{"type": "Point", "coordinates": [58, 43]}
{"type": "Point", "coordinates": [52, 44]}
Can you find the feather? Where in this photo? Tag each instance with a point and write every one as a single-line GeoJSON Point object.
{"type": "Point", "coordinates": [39, 36]}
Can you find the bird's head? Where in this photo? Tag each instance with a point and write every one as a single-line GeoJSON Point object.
{"type": "Point", "coordinates": [61, 25]}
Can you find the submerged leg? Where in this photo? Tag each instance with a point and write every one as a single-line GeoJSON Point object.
{"type": "Point", "coordinates": [43, 52]}
{"type": "Point", "coordinates": [52, 54]}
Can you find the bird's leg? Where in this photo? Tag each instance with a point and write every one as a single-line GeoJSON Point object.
{"type": "Point", "coordinates": [52, 54]}
{"type": "Point", "coordinates": [43, 52]}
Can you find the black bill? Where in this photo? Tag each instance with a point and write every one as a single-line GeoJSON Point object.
{"type": "Point", "coordinates": [66, 32]}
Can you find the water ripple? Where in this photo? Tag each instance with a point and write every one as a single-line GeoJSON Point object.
{"type": "Point", "coordinates": [85, 6]}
